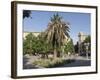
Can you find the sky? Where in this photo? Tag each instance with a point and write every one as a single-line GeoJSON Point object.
{"type": "Point", "coordinates": [79, 22]}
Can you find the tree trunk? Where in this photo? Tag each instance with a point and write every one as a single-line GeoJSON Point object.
{"type": "Point", "coordinates": [55, 53]}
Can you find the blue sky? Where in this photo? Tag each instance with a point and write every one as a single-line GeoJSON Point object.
{"type": "Point", "coordinates": [79, 22]}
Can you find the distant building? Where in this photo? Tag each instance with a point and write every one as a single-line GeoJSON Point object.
{"type": "Point", "coordinates": [81, 37]}
{"type": "Point", "coordinates": [34, 33]}
{"type": "Point", "coordinates": [37, 33]}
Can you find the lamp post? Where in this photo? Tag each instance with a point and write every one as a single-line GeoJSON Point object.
{"type": "Point", "coordinates": [87, 47]}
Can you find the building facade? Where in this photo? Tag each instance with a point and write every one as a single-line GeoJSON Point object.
{"type": "Point", "coordinates": [37, 33]}
{"type": "Point", "coordinates": [34, 33]}
{"type": "Point", "coordinates": [81, 37]}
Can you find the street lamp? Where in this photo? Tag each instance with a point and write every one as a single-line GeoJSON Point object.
{"type": "Point", "coordinates": [87, 47]}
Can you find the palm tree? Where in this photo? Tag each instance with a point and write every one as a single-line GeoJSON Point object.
{"type": "Point", "coordinates": [56, 33]}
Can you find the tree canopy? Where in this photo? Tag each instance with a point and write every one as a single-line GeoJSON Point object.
{"type": "Point", "coordinates": [69, 47]}
{"type": "Point", "coordinates": [56, 32]}
{"type": "Point", "coordinates": [88, 39]}
{"type": "Point", "coordinates": [51, 40]}
{"type": "Point", "coordinates": [26, 13]}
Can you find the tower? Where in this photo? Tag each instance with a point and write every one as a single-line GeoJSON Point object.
{"type": "Point", "coordinates": [81, 37]}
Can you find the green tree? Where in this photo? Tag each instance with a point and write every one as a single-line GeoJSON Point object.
{"type": "Point", "coordinates": [44, 47]}
{"type": "Point", "coordinates": [69, 47]}
{"type": "Point", "coordinates": [56, 33]}
{"type": "Point", "coordinates": [36, 45]}
{"type": "Point", "coordinates": [26, 13]}
{"type": "Point", "coordinates": [28, 44]}
{"type": "Point", "coordinates": [88, 39]}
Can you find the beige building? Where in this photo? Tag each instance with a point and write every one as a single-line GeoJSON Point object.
{"type": "Point", "coordinates": [34, 33]}
{"type": "Point", "coordinates": [37, 33]}
{"type": "Point", "coordinates": [81, 37]}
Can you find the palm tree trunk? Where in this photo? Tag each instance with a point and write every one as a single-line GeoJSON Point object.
{"type": "Point", "coordinates": [55, 53]}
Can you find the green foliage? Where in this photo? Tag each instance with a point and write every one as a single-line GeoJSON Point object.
{"type": "Point", "coordinates": [69, 47]}
{"type": "Point", "coordinates": [47, 63]}
{"type": "Point", "coordinates": [33, 45]}
{"type": "Point", "coordinates": [83, 44]}
{"type": "Point", "coordinates": [56, 33]}
{"type": "Point", "coordinates": [26, 13]}
{"type": "Point", "coordinates": [49, 41]}
{"type": "Point", "coordinates": [88, 39]}
{"type": "Point", "coordinates": [28, 44]}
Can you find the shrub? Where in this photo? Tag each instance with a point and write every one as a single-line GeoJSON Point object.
{"type": "Point", "coordinates": [48, 63]}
